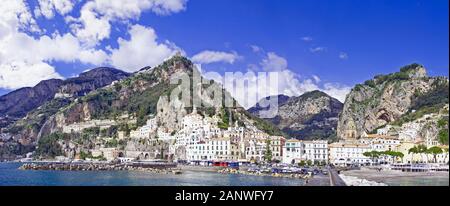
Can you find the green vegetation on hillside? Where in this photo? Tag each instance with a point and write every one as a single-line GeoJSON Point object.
{"type": "Point", "coordinates": [225, 118]}
{"type": "Point", "coordinates": [88, 155]}
{"type": "Point", "coordinates": [313, 95]}
{"type": "Point", "coordinates": [443, 130]}
{"type": "Point", "coordinates": [403, 74]}
{"type": "Point", "coordinates": [431, 102]}
{"type": "Point", "coordinates": [264, 125]}
{"type": "Point", "coordinates": [437, 97]}
{"type": "Point", "coordinates": [145, 103]}
{"type": "Point", "coordinates": [110, 132]}
{"type": "Point", "coordinates": [10, 150]}
{"type": "Point", "coordinates": [48, 146]}
{"type": "Point", "coordinates": [38, 117]}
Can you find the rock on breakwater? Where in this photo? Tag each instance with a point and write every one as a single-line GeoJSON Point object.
{"type": "Point", "coordinates": [355, 181]}
{"type": "Point", "coordinates": [95, 167]}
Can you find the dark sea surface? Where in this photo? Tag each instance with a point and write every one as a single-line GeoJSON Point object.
{"type": "Point", "coordinates": [10, 175]}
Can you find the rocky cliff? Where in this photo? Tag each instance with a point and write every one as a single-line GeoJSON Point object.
{"type": "Point", "coordinates": [394, 98]}
{"type": "Point", "coordinates": [129, 102]}
{"type": "Point", "coordinates": [17, 104]}
{"type": "Point", "coordinates": [313, 115]}
{"type": "Point", "coordinates": [28, 113]}
{"type": "Point", "coordinates": [149, 92]}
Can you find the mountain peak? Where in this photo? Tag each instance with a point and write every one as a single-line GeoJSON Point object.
{"type": "Point", "coordinates": [19, 102]}
{"type": "Point", "coordinates": [314, 94]}
{"type": "Point", "coordinates": [101, 71]}
{"type": "Point", "coordinates": [414, 70]}
{"type": "Point", "coordinates": [308, 116]}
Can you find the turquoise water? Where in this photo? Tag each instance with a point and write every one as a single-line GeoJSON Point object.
{"type": "Point", "coordinates": [11, 176]}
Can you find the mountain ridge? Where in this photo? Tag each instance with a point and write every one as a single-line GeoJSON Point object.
{"type": "Point", "coordinates": [312, 115]}
{"type": "Point", "coordinates": [18, 103]}
{"type": "Point", "coordinates": [129, 103]}
{"type": "Point", "coordinates": [390, 98]}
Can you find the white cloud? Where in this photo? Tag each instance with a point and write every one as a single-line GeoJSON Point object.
{"type": "Point", "coordinates": [141, 50]}
{"type": "Point", "coordinates": [90, 28]}
{"type": "Point", "coordinates": [316, 78]}
{"type": "Point", "coordinates": [317, 49]}
{"type": "Point", "coordinates": [289, 83]}
{"type": "Point", "coordinates": [47, 8]}
{"type": "Point", "coordinates": [21, 47]}
{"type": "Point", "coordinates": [256, 49]}
{"type": "Point", "coordinates": [208, 57]}
{"type": "Point", "coordinates": [15, 14]}
{"type": "Point", "coordinates": [337, 91]}
{"type": "Point", "coordinates": [164, 7]}
{"type": "Point", "coordinates": [22, 55]}
{"type": "Point", "coordinates": [307, 38]}
{"type": "Point", "coordinates": [94, 23]}
{"type": "Point", "coordinates": [21, 74]}
{"type": "Point", "coordinates": [343, 55]}
{"type": "Point", "coordinates": [273, 62]}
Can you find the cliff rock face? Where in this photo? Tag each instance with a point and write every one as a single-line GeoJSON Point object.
{"type": "Point", "coordinates": [128, 103]}
{"type": "Point", "coordinates": [91, 80]}
{"type": "Point", "coordinates": [45, 100]}
{"type": "Point", "coordinates": [390, 98]}
{"type": "Point", "coordinates": [313, 115]}
{"type": "Point", "coordinates": [146, 93]}
{"type": "Point", "coordinates": [17, 104]}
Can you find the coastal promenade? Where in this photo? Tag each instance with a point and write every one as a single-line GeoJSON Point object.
{"type": "Point", "coordinates": [335, 180]}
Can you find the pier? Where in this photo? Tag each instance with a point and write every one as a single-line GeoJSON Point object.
{"type": "Point", "coordinates": [335, 180]}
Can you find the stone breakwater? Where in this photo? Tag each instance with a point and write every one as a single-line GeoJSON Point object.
{"type": "Point", "coordinates": [96, 167]}
{"type": "Point", "coordinates": [355, 181]}
{"type": "Point", "coordinates": [281, 175]}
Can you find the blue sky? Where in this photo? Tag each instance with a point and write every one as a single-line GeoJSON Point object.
{"type": "Point", "coordinates": [341, 42]}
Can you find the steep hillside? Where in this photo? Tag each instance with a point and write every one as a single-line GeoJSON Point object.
{"type": "Point", "coordinates": [312, 115]}
{"type": "Point", "coordinates": [129, 103]}
{"type": "Point", "coordinates": [394, 98]}
{"type": "Point", "coordinates": [17, 104]}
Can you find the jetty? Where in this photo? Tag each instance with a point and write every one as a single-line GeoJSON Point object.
{"type": "Point", "coordinates": [335, 179]}
{"type": "Point", "coordinates": [155, 167]}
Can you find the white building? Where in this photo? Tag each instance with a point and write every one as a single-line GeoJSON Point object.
{"type": "Point", "coordinates": [276, 146]}
{"type": "Point", "coordinates": [195, 129]}
{"type": "Point", "coordinates": [316, 151]}
{"type": "Point", "coordinates": [79, 127]}
{"type": "Point", "coordinates": [144, 132]}
{"type": "Point", "coordinates": [292, 151]}
{"type": "Point", "coordinates": [348, 153]}
{"type": "Point", "coordinates": [219, 149]}
{"type": "Point", "coordinates": [381, 143]}
{"type": "Point", "coordinates": [296, 151]}
{"type": "Point", "coordinates": [255, 150]}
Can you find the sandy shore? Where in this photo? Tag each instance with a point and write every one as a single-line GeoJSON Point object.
{"type": "Point", "coordinates": [398, 178]}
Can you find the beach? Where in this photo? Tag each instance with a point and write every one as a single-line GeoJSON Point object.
{"type": "Point", "coordinates": [398, 178]}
